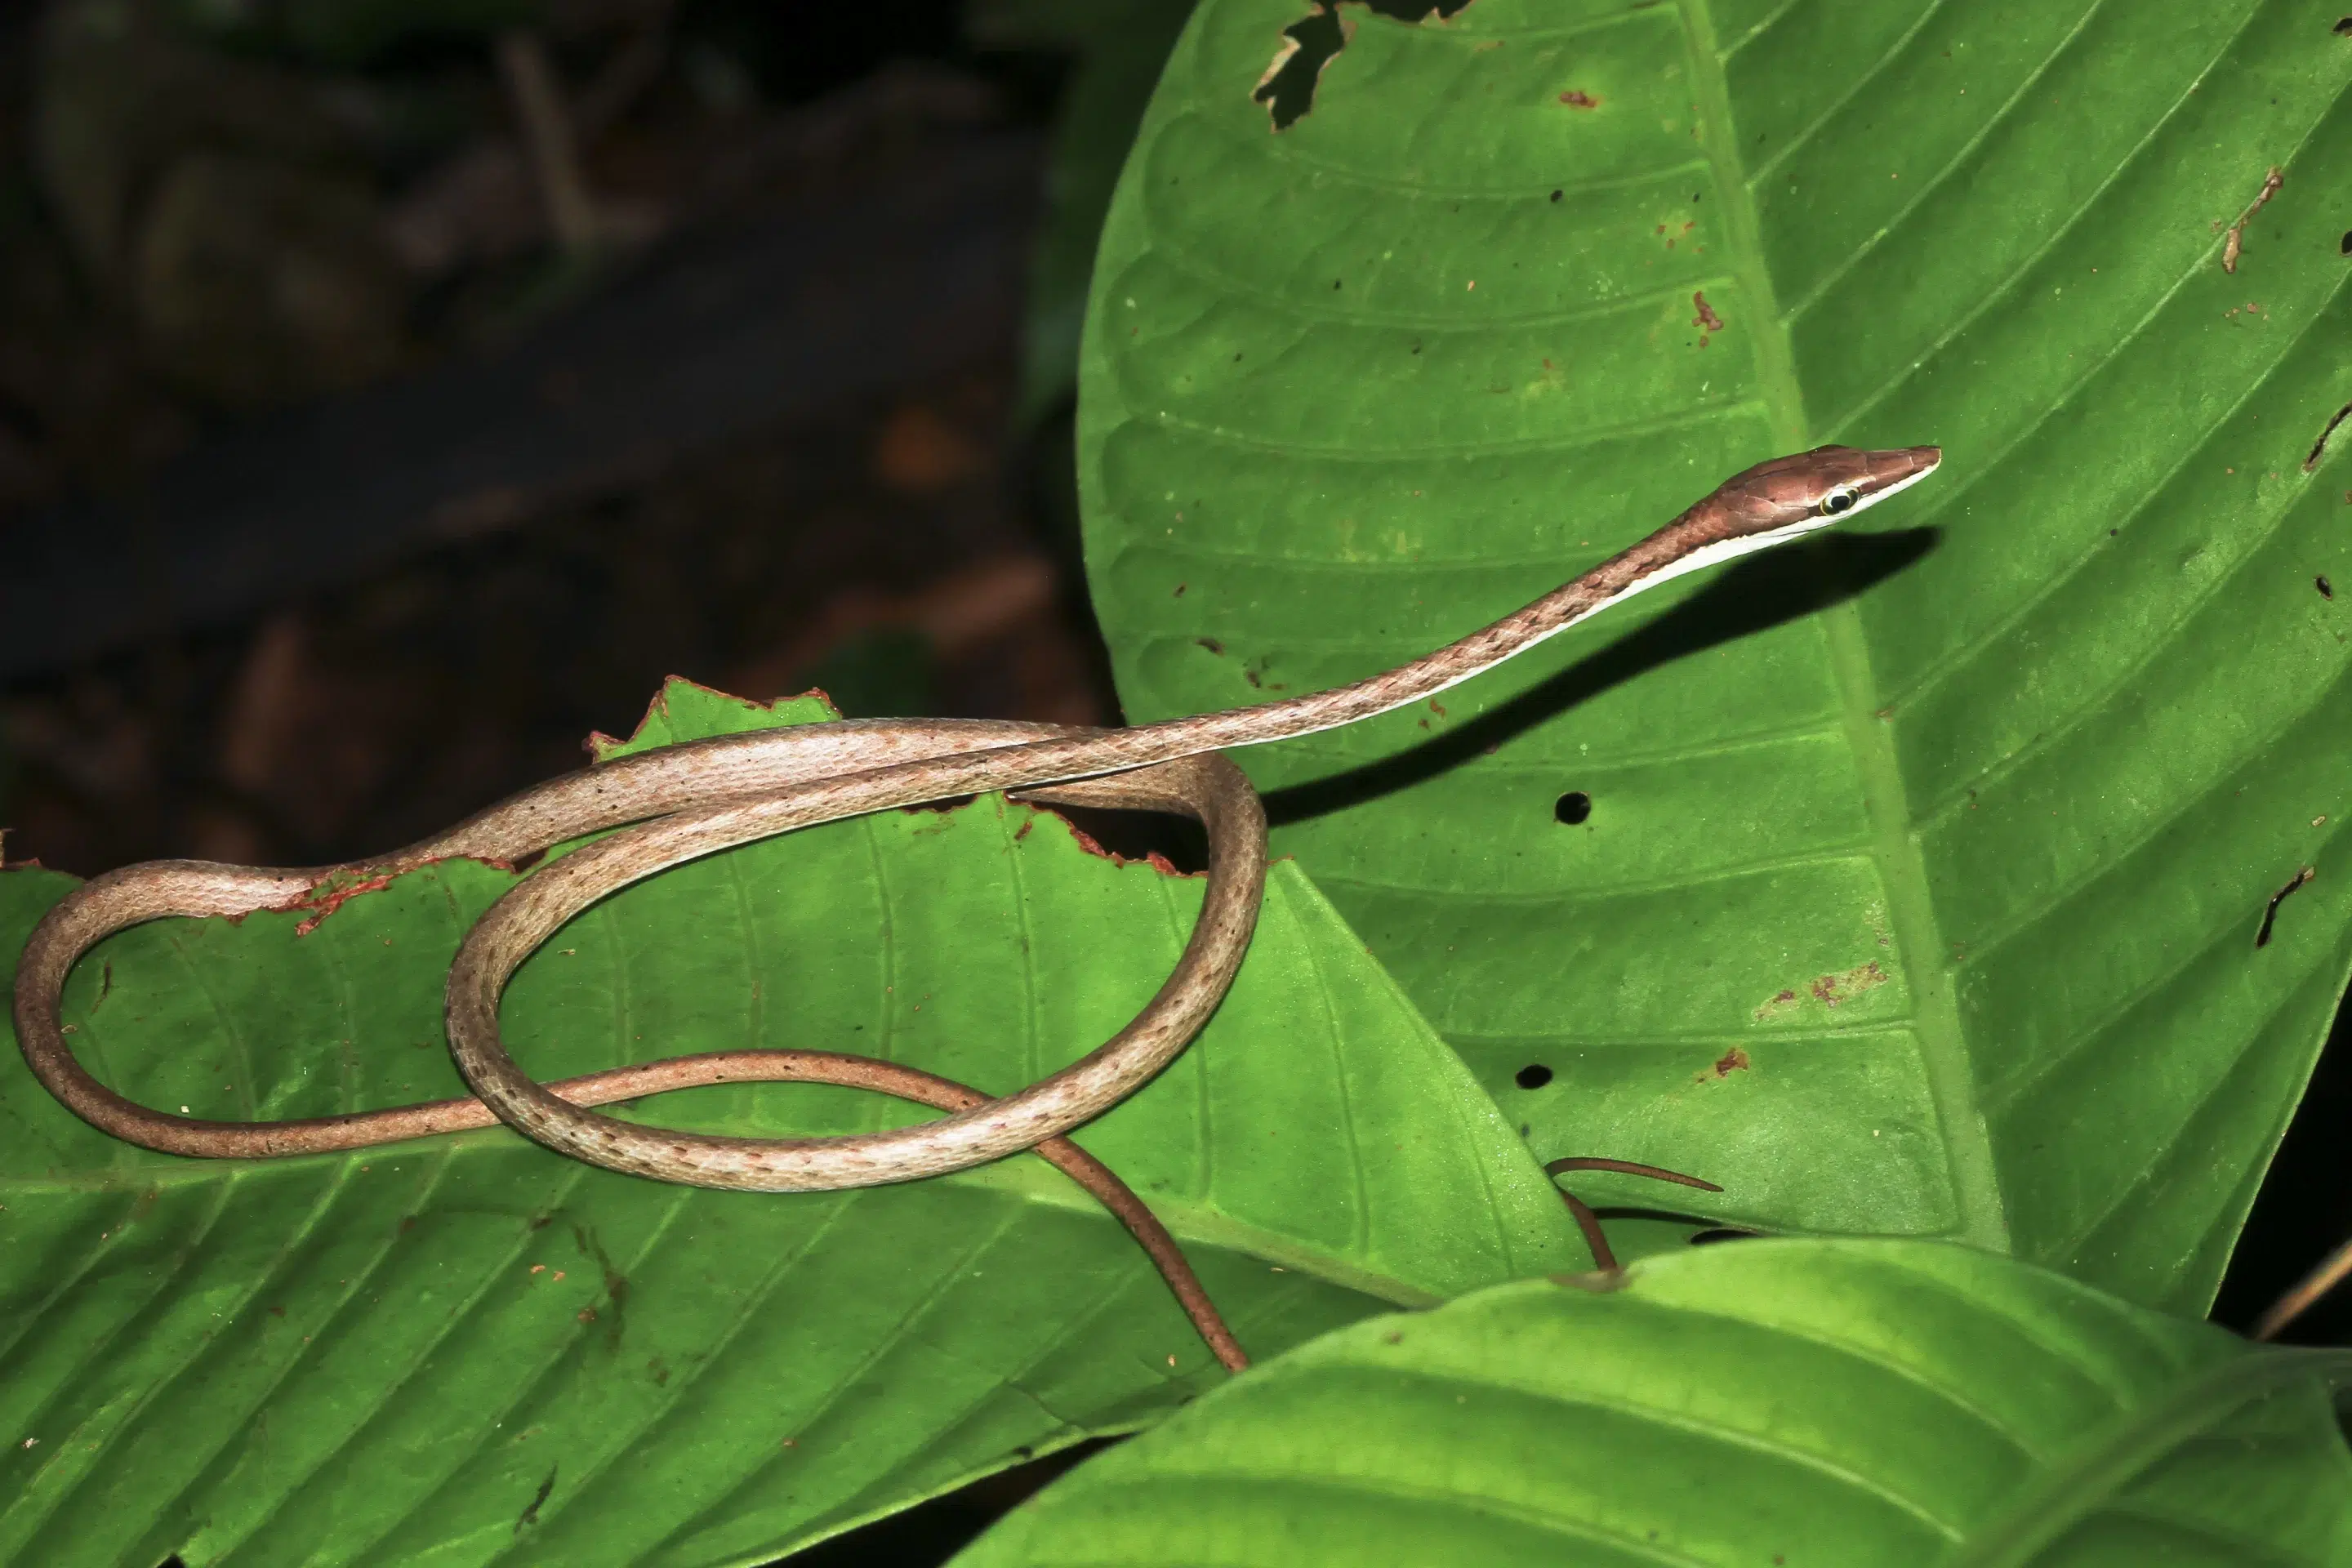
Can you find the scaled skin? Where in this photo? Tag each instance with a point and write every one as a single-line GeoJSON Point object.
{"type": "Point", "coordinates": [692, 800]}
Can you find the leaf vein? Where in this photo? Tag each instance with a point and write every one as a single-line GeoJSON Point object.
{"type": "Point", "coordinates": [1919, 197]}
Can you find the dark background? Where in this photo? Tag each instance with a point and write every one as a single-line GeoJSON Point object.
{"type": "Point", "coordinates": [392, 392]}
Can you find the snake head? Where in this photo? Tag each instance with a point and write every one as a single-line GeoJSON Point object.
{"type": "Point", "coordinates": [1768, 504]}
{"type": "Point", "coordinates": [1813, 488]}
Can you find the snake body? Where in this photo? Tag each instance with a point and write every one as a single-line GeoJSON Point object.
{"type": "Point", "coordinates": [695, 799]}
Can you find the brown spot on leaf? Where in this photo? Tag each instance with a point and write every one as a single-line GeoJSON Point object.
{"type": "Point", "coordinates": [531, 1514]}
{"type": "Point", "coordinates": [1706, 317]}
{"type": "Point", "coordinates": [1829, 990]}
{"type": "Point", "coordinates": [1211, 644]}
{"type": "Point", "coordinates": [1093, 845]}
{"type": "Point", "coordinates": [2230, 243]}
{"type": "Point", "coordinates": [331, 894]}
{"type": "Point", "coordinates": [1579, 100]}
{"type": "Point", "coordinates": [1731, 1061]}
{"type": "Point", "coordinates": [616, 1284]}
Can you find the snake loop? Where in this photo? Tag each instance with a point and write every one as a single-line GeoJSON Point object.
{"type": "Point", "coordinates": [698, 798]}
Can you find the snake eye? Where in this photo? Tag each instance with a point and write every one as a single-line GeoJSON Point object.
{"type": "Point", "coordinates": [1836, 502]}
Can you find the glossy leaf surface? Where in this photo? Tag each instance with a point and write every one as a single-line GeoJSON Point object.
{"type": "Point", "coordinates": [1920, 880]}
{"type": "Point", "coordinates": [470, 1351]}
{"type": "Point", "coordinates": [1795, 1402]}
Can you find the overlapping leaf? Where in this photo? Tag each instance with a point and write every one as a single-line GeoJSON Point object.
{"type": "Point", "coordinates": [471, 1350]}
{"type": "Point", "coordinates": [1910, 882]}
{"type": "Point", "coordinates": [1800, 1402]}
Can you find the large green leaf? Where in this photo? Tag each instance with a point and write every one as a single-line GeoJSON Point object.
{"type": "Point", "coordinates": [1799, 1402]}
{"type": "Point", "coordinates": [1919, 876]}
{"type": "Point", "coordinates": [471, 1350]}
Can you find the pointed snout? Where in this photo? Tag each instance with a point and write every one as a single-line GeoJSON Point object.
{"type": "Point", "coordinates": [1900, 465]}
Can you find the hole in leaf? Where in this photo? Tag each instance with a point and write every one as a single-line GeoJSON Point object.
{"type": "Point", "coordinates": [2344, 245]}
{"type": "Point", "coordinates": [1179, 841]}
{"type": "Point", "coordinates": [1315, 40]}
{"type": "Point", "coordinates": [2319, 447]}
{"type": "Point", "coordinates": [1721, 1233]}
{"type": "Point", "coordinates": [2343, 28]}
{"type": "Point", "coordinates": [2270, 911]}
{"type": "Point", "coordinates": [2326, 589]}
{"type": "Point", "coordinates": [1572, 809]}
{"type": "Point", "coordinates": [1413, 12]}
{"type": "Point", "coordinates": [1535, 1075]}
{"type": "Point", "coordinates": [1287, 88]}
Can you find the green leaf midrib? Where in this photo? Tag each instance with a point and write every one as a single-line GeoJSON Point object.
{"type": "Point", "coordinates": [1895, 851]}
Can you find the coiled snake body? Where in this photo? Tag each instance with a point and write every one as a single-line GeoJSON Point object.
{"type": "Point", "coordinates": [691, 800]}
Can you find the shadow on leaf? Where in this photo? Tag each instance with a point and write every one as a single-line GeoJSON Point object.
{"type": "Point", "coordinates": [1763, 592]}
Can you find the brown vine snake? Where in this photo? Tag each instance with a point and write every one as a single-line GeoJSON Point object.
{"type": "Point", "coordinates": [692, 800]}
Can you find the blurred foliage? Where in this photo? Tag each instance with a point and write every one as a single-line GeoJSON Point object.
{"type": "Point", "coordinates": [347, 34]}
{"type": "Point", "coordinates": [1117, 47]}
{"type": "Point", "coordinates": [886, 673]}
